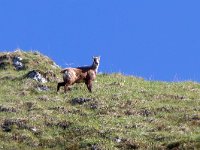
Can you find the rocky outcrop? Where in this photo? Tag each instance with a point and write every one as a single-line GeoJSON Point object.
{"type": "Point", "coordinates": [7, 60]}
{"type": "Point", "coordinates": [35, 75]}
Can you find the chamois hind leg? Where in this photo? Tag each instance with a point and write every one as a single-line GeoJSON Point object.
{"type": "Point", "coordinates": [89, 85]}
{"type": "Point", "coordinates": [59, 85]}
{"type": "Point", "coordinates": [66, 88]}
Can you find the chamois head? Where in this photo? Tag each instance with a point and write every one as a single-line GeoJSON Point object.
{"type": "Point", "coordinates": [96, 61]}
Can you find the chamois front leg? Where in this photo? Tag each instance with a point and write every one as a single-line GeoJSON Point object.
{"type": "Point", "coordinates": [89, 85]}
{"type": "Point", "coordinates": [59, 85]}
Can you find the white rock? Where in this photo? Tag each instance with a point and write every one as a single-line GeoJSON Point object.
{"type": "Point", "coordinates": [17, 63]}
{"type": "Point", "coordinates": [37, 76]}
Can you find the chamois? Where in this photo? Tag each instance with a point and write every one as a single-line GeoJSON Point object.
{"type": "Point", "coordinates": [85, 74]}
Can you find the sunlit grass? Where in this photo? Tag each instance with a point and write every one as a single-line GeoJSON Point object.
{"type": "Point", "coordinates": [124, 112]}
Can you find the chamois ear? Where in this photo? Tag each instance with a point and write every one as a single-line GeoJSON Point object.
{"type": "Point", "coordinates": [96, 57]}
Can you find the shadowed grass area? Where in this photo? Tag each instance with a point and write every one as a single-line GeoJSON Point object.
{"type": "Point", "coordinates": [123, 112]}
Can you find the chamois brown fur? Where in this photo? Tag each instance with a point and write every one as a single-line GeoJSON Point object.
{"type": "Point", "coordinates": [85, 74]}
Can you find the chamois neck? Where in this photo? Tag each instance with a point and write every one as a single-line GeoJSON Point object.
{"type": "Point", "coordinates": [95, 66]}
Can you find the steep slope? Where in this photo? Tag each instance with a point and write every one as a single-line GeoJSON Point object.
{"type": "Point", "coordinates": [123, 112]}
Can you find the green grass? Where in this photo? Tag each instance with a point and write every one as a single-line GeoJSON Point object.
{"type": "Point", "coordinates": [125, 112]}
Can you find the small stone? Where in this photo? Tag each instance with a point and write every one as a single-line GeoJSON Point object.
{"type": "Point", "coordinates": [80, 100]}
{"type": "Point", "coordinates": [93, 106]}
{"type": "Point", "coordinates": [42, 88]}
{"type": "Point", "coordinates": [118, 140]}
{"type": "Point", "coordinates": [34, 129]}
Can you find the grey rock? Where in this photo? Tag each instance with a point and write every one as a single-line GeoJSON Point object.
{"type": "Point", "coordinates": [17, 62]}
{"type": "Point", "coordinates": [42, 88]}
{"type": "Point", "coordinates": [80, 100]}
{"type": "Point", "coordinates": [36, 76]}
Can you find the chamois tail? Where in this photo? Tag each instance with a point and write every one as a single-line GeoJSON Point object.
{"type": "Point", "coordinates": [63, 71]}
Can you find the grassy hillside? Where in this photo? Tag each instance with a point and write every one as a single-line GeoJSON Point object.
{"type": "Point", "coordinates": [123, 112]}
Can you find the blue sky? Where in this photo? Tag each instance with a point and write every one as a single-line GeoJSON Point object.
{"type": "Point", "coordinates": [157, 39]}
